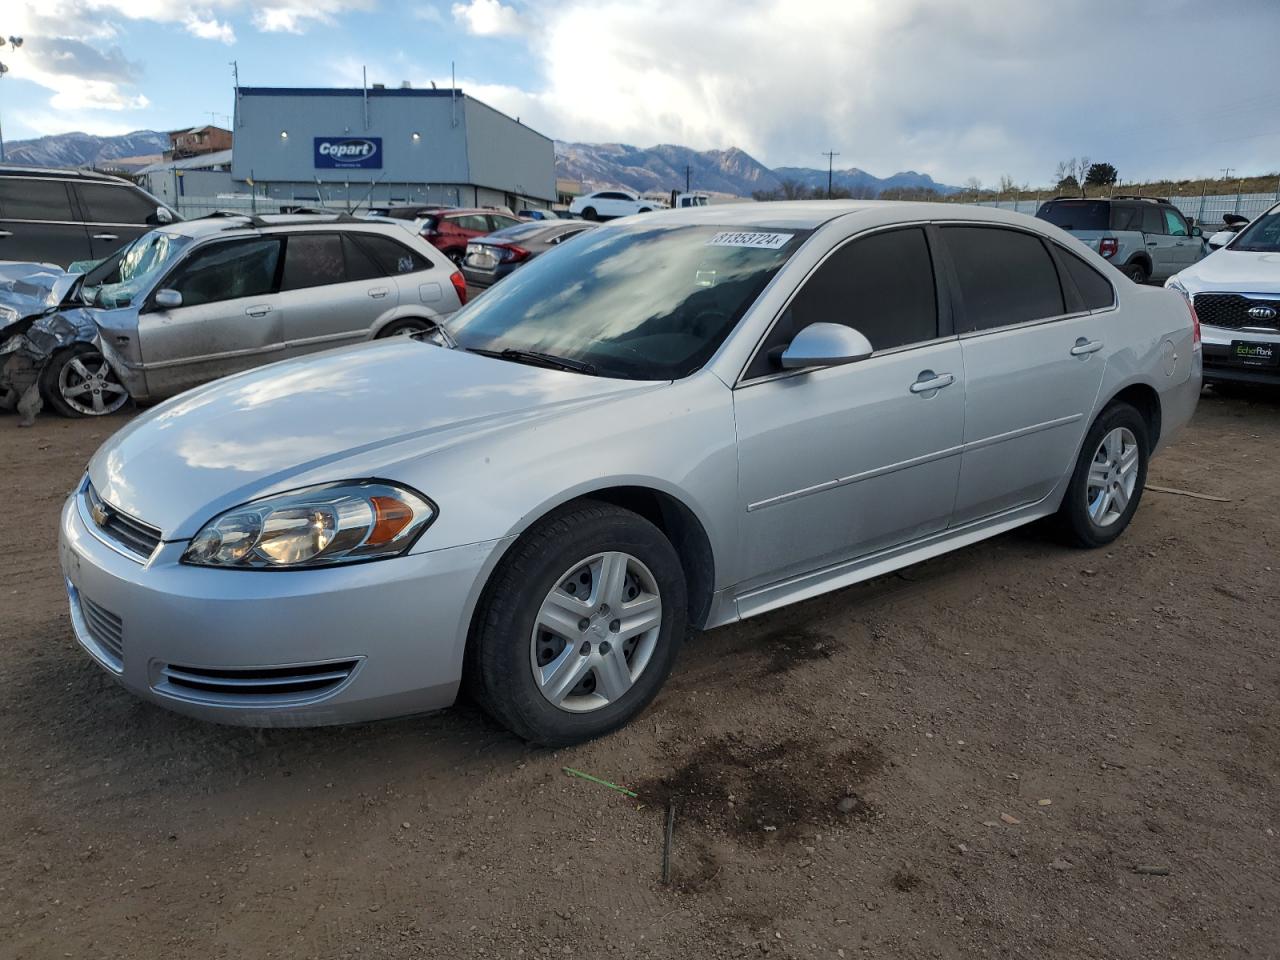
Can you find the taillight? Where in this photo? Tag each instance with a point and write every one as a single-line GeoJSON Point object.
{"type": "Point", "coordinates": [1195, 325]}
{"type": "Point", "coordinates": [1108, 246]}
{"type": "Point", "coordinates": [510, 253]}
{"type": "Point", "coordinates": [459, 285]}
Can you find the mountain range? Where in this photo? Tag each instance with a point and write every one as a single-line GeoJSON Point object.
{"type": "Point", "coordinates": [596, 165]}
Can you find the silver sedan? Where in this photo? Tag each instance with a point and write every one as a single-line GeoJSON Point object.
{"type": "Point", "coordinates": [676, 421]}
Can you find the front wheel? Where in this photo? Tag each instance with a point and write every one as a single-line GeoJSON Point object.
{"type": "Point", "coordinates": [590, 214]}
{"type": "Point", "coordinates": [1110, 473]}
{"type": "Point", "coordinates": [78, 382]}
{"type": "Point", "coordinates": [580, 626]}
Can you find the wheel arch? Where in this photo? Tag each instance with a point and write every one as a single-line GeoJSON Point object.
{"type": "Point", "coordinates": [411, 311]}
{"type": "Point", "coordinates": [1146, 400]}
{"type": "Point", "coordinates": [1142, 258]}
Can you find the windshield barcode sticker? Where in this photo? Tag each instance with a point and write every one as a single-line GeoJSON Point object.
{"type": "Point", "coordinates": [762, 241]}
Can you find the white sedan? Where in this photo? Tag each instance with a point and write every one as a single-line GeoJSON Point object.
{"type": "Point", "coordinates": [607, 204]}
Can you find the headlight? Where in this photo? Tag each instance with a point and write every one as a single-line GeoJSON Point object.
{"type": "Point", "coordinates": [320, 526]}
{"type": "Point", "coordinates": [8, 315]}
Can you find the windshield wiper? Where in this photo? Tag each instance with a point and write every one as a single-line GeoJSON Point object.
{"type": "Point", "coordinates": [537, 359]}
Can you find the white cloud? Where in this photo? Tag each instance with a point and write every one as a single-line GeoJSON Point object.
{"type": "Point", "coordinates": [488, 18]}
{"type": "Point", "coordinates": [210, 29]}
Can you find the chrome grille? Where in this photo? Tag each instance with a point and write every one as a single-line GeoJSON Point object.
{"type": "Point", "coordinates": [105, 629]}
{"type": "Point", "coordinates": [138, 538]}
{"type": "Point", "coordinates": [1231, 310]}
{"type": "Point", "coordinates": [260, 685]}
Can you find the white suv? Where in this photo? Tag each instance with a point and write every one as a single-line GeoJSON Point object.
{"type": "Point", "coordinates": [606, 204]}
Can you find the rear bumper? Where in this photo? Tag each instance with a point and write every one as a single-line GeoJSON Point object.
{"type": "Point", "coordinates": [255, 648]}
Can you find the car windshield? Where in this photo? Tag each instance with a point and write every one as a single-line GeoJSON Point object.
{"type": "Point", "coordinates": [118, 280]}
{"type": "Point", "coordinates": [641, 302]}
{"type": "Point", "coordinates": [1077, 214]}
{"type": "Point", "coordinates": [1261, 236]}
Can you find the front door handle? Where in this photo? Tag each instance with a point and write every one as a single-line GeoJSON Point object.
{"type": "Point", "coordinates": [929, 381]}
{"type": "Point", "coordinates": [259, 311]}
{"type": "Point", "coordinates": [1152, 243]}
{"type": "Point", "coordinates": [105, 236]}
{"type": "Point", "coordinates": [378, 292]}
{"type": "Point", "coordinates": [1084, 347]}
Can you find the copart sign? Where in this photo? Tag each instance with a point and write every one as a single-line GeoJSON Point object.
{"type": "Point", "coordinates": [348, 153]}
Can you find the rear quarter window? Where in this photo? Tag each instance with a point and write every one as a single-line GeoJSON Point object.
{"type": "Point", "coordinates": [1095, 290]}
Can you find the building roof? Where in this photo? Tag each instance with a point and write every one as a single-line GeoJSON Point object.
{"type": "Point", "coordinates": [203, 161]}
{"type": "Point", "coordinates": [348, 92]}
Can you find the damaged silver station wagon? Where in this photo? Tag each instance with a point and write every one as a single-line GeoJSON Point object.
{"type": "Point", "coordinates": [193, 301]}
{"type": "Point", "coordinates": [677, 420]}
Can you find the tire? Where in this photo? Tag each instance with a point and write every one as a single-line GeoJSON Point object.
{"type": "Point", "coordinates": [510, 645]}
{"type": "Point", "coordinates": [403, 328]}
{"type": "Point", "coordinates": [589, 213]}
{"type": "Point", "coordinates": [77, 382]}
{"type": "Point", "coordinates": [1090, 514]}
{"type": "Point", "coordinates": [455, 257]}
{"type": "Point", "coordinates": [645, 210]}
{"type": "Point", "coordinates": [1136, 272]}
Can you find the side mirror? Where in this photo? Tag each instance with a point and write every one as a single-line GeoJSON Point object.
{"type": "Point", "coordinates": [1221, 239]}
{"type": "Point", "coordinates": [825, 345]}
{"type": "Point", "coordinates": [163, 215]}
{"type": "Point", "coordinates": [167, 299]}
{"type": "Point", "coordinates": [1197, 232]}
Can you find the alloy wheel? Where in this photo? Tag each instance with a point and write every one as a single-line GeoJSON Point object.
{"type": "Point", "coordinates": [595, 632]}
{"type": "Point", "coordinates": [90, 387]}
{"type": "Point", "coordinates": [1113, 475]}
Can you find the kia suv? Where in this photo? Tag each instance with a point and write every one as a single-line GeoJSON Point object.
{"type": "Point", "coordinates": [1147, 238]}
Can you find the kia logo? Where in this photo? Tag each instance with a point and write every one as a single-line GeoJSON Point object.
{"type": "Point", "coordinates": [1262, 313]}
{"type": "Point", "coordinates": [348, 149]}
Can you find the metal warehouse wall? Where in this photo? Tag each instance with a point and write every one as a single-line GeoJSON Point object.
{"type": "Point", "coordinates": [440, 156]}
{"type": "Point", "coordinates": [507, 155]}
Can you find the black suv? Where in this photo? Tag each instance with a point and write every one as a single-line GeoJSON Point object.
{"type": "Point", "coordinates": [60, 216]}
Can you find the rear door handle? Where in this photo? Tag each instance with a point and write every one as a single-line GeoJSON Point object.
{"type": "Point", "coordinates": [1085, 347]}
{"type": "Point", "coordinates": [259, 311]}
{"type": "Point", "coordinates": [378, 292]}
{"type": "Point", "coordinates": [5, 233]}
{"type": "Point", "coordinates": [1152, 243]}
{"type": "Point", "coordinates": [929, 381]}
{"type": "Point", "coordinates": [105, 236]}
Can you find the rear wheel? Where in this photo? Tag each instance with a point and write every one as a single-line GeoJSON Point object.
{"type": "Point", "coordinates": [78, 382]}
{"type": "Point", "coordinates": [1106, 485]}
{"type": "Point", "coordinates": [590, 214]}
{"type": "Point", "coordinates": [406, 328]}
{"type": "Point", "coordinates": [1136, 272]}
{"type": "Point", "coordinates": [580, 626]}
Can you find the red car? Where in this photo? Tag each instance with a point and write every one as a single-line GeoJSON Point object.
{"type": "Point", "coordinates": [449, 230]}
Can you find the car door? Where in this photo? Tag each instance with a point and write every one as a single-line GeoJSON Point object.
{"type": "Point", "coordinates": [115, 215]}
{"type": "Point", "coordinates": [408, 270]}
{"type": "Point", "coordinates": [230, 318]}
{"type": "Point", "coordinates": [332, 291]}
{"type": "Point", "coordinates": [1033, 363]}
{"type": "Point", "coordinates": [38, 222]}
{"type": "Point", "coordinates": [1161, 246]}
{"type": "Point", "coordinates": [1186, 248]}
{"type": "Point", "coordinates": [845, 461]}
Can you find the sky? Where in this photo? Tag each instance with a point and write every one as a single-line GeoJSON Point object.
{"type": "Point", "coordinates": [977, 89]}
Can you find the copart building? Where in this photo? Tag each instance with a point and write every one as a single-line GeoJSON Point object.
{"type": "Point", "coordinates": [361, 147]}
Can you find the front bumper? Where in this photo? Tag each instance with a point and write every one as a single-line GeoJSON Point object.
{"type": "Point", "coordinates": [281, 648]}
{"type": "Point", "coordinates": [1221, 365]}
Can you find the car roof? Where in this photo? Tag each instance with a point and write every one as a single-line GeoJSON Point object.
{"type": "Point", "coordinates": [19, 170]}
{"type": "Point", "coordinates": [223, 224]}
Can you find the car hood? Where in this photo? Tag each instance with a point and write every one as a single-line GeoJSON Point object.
{"type": "Point", "coordinates": [363, 411]}
{"type": "Point", "coordinates": [1234, 271]}
{"type": "Point", "coordinates": [32, 288]}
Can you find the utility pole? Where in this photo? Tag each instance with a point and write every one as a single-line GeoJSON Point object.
{"type": "Point", "coordinates": [1226, 172]}
{"type": "Point", "coordinates": [831, 156]}
{"type": "Point", "coordinates": [688, 174]}
{"type": "Point", "coordinates": [15, 43]}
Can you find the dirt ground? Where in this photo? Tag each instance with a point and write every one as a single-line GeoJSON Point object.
{"type": "Point", "coordinates": [966, 759]}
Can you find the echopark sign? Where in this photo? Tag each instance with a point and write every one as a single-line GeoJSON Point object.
{"type": "Point", "coordinates": [348, 153]}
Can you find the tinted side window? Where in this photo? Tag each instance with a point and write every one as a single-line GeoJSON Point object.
{"type": "Point", "coordinates": [499, 222]}
{"type": "Point", "coordinates": [226, 271]}
{"type": "Point", "coordinates": [313, 260]}
{"type": "Point", "coordinates": [390, 256]}
{"type": "Point", "coordinates": [1093, 286]}
{"type": "Point", "coordinates": [1005, 277]}
{"type": "Point", "coordinates": [104, 203]}
{"type": "Point", "coordinates": [23, 199]}
{"type": "Point", "coordinates": [881, 285]}
{"type": "Point", "coordinates": [1124, 217]}
{"type": "Point", "coordinates": [1152, 222]}
{"type": "Point", "coordinates": [1174, 224]}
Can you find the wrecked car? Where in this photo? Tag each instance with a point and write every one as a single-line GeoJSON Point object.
{"type": "Point", "coordinates": [193, 301]}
